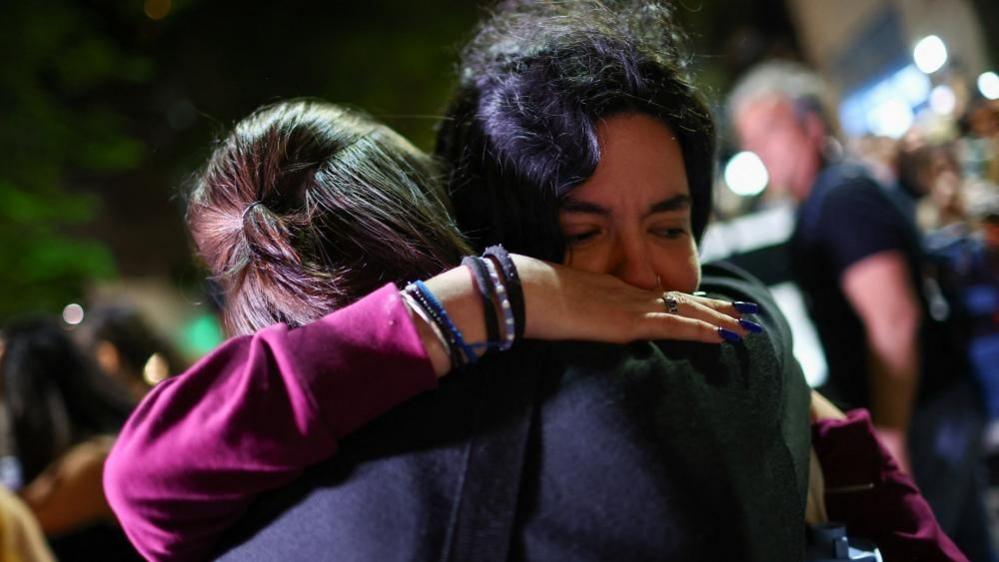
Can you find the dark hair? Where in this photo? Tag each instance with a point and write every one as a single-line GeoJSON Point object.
{"type": "Point", "coordinates": [135, 340]}
{"type": "Point", "coordinates": [307, 206]}
{"type": "Point", "coordinates": [520, 131]}
{"type": "Point", "coordinates": [54, 396]}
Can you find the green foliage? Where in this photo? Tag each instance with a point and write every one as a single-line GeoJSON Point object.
{"type": "Point", "coordinates": [57, 138]}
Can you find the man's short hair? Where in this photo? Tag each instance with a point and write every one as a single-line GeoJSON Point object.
{"type": "Point", "coordinates": [787, 79]}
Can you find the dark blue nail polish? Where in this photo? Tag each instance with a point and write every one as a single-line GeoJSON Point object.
{"type": "Point", "coordinates": [729, 335]}
{"type": "Point", "coordinates": [746, 307]}
{"type": "Point", "coordinates": [751, 326]}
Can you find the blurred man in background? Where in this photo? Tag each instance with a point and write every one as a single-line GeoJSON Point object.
{"type": "Point", "coordinates": [858, 260]}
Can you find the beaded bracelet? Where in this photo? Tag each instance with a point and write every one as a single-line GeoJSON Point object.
{"type": "Point", "coordinates": [509, 324]}
{"type": "Point", "coordinates": [487, 291]}
{"type": "Point", "coordinates": [513, 286]}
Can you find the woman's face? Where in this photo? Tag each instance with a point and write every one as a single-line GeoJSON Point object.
{"type": "Point", "coordinates": [632, 217]}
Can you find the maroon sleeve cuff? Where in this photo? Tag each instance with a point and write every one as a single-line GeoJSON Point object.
{"type": "Point", "coordinates": [363, 360]}
{"type": "Point", "coordinates": [866, 490]}
{"type": "Point", "coordinates": [851, 447]}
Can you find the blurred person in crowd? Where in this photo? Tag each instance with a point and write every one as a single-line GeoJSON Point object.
{"type": "Point", "coordinates": [879, 155]}
{"type": "Point", "coordinates": [966, 259]}
{"type": "Point", "coordinates": [980, 144]}
{"type": "Point", "coordinates": [392, 489]}
{"type": "Point", "coordinates": [962, 272]}
{"type": "Point", "coordinates": [860, 264]}
{"type": "Point", "coordinates": [21, 538]}
{"type": "Point", "coordinates": [987, 213]}
{"type": "Point", "coordinates": [931, 176]}
{"type": "Point", "coordinates": [127, 348]}
{"type": "Point", "coordinates": [62, 418]}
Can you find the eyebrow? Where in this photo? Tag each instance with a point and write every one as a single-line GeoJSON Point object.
{"type": "Point", "coordinates": [671, 204]}
{"type": "Point", "coordinates": [675, 203]}
{"type": "Point", "coordinates": [584, 207]}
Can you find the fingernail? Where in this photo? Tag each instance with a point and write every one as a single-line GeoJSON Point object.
{"type": "Point", "coordinates": [729, 335]}
{"type": "Point", "coordinates": [751, 326]}
{"type": "Point", "coordinates": [699, 294]}
{"type": "Point", "coordinates": [746, 307]}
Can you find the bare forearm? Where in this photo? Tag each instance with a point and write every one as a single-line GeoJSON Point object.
{"type": "Point", "coordinates": [880, 290]}
{"type": "Point", "coordinates": [894, 380]}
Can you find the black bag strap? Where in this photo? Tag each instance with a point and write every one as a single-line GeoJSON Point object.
{"type": "Point", "coordinates": [482, 524]}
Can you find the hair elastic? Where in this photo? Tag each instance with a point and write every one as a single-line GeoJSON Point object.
{"type": "Point", "coordinates": [249, 207]}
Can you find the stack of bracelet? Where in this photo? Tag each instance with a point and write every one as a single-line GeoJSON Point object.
{"type": "Point", "coordinates": [499, 286]}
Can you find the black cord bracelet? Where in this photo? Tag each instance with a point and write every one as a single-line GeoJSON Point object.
{"type": "Point", "coordinates": [488, 294]}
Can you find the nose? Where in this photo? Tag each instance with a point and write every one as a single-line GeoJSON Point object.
{"type": "Point", "coordinates": [632, 263]}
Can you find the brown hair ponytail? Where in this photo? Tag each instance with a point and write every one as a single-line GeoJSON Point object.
{"type": "Point", "coordinates": [307, 206]}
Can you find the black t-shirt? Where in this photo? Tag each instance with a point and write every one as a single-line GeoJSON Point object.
{"type": "Point", "coordinates": [847, 218]}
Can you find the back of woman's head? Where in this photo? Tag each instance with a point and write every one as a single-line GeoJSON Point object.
{"type": "Point", "coordinates": [53, 395]}
{"type": "Point", "coordinates": [307, 206]}
{"type": "Point", "coordinates": [535, 80]}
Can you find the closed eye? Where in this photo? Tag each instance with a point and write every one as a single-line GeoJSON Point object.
{"type": "Point", "coordinates": [577, 238]}
{"type": "Point", "coordinates": [671, 233]}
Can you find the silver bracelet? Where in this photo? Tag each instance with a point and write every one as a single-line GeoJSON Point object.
{"type": "Point", "coordinates": [416, 308]}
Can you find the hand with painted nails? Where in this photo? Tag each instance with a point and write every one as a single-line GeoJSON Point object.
{"type": "Point", "coordinates": [569, 304]}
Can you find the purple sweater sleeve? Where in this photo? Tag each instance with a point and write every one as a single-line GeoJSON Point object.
{"type": "Point", "coordinates": [252, 415]}
{"type": "Point", "coordinates": [867, 490]}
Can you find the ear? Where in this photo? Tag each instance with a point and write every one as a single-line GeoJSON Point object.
{"type": "Point", "coordinates": [815, 128]}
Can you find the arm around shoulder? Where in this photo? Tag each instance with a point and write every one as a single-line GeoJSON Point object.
{"type": "Point", "coordinates": [252, 415]}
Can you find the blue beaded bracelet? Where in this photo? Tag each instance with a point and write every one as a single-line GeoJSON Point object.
{"type": "Point", "coordinates": [437, 312]}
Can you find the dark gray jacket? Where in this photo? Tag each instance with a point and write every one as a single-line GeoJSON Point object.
{"type": "Point", "coordinates": [572, 451]}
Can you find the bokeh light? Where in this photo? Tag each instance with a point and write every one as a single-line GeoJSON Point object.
{"type": "Point", "coordinates": [930, 54]}
{"type": "Point", "coordinates": [156, 9]}
{"type": "Point", "coordinates": [746, 175]}
{"type": "Point", "coordinates": [943, 100]}
{"type": "Point", "coordinates": [72, 314]}
{"type": "Point", "coordinates": [891, 118]}
{"type": "Point", "coordinates": [988, 85]}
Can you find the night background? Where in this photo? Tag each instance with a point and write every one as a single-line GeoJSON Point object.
{"type": "Point", "coordinates": [110, 107]}
{"type": "Point", "coordinates": [108, 110]}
